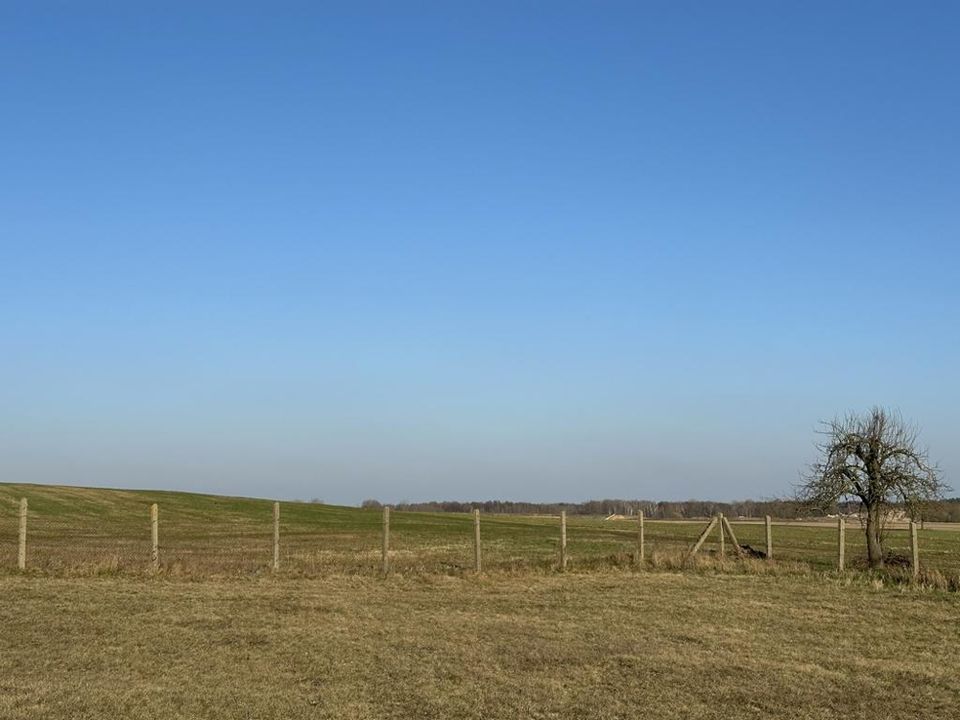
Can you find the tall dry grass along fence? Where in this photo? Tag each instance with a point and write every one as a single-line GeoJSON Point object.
{"type": "Point", "coordinates": [59, 530]}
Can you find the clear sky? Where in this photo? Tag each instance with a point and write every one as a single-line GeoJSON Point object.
{"type": "Point", "coordinates": [526, 250]}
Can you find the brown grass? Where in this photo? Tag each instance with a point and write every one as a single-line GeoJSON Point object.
{"type": "Point", "coordinates": [584, 645]}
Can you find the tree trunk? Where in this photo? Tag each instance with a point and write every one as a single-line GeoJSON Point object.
{"type": "Point", "coordinates": [874, 548]}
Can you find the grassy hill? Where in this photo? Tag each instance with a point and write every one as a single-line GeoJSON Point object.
{"type": "Point", "coordinates": [90, 529]}
{"type": "Point", "coordinates": [71, 526]}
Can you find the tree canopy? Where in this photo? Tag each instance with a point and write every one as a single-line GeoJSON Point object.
{"type": "Point", "coordinates": [875, 458]}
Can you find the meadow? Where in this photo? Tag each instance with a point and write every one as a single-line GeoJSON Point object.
{"type": "Point", "coordinates": [589, 645]}
{"type": "Point", "coordinates": [90, 631]}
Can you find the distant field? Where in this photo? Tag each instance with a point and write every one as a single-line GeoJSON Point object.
{"type": "Point", "coordinates": [578, 646]}
{"type": "Point", "coordinates": [93, 530]}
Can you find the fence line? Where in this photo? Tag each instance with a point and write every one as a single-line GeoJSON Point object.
{"type": "Point", "coordinates": [177, 555]}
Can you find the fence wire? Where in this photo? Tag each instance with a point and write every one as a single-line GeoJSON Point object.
{"type": "Point", "coordinates": [9, 531]}
{"type": "Point", "coordinates": [76, 533]}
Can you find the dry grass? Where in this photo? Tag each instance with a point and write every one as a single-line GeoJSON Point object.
{"type": "Point", "coordinates": [595, 645]}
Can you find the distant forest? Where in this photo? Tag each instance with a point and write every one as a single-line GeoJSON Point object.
{"type": "Point", "coordinates": [942, 511]}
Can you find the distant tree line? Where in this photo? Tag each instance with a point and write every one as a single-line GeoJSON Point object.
{"type": "Point", "coordinates": [943, 511]}
{"type": "Point", "coordinates": [662, 510]}
{"type": "Point", "coordinates": [939, 511]}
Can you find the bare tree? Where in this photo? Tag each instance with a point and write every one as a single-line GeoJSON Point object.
{"type": "Point", "coordinates": [873, 458]}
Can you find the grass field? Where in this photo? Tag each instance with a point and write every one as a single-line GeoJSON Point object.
{"type": "Point", "coordinates": [79, 530]}
{"type": "Point", "coordinates": [89, 632]}
{"type": "Point", "coordinates": [588, 645]}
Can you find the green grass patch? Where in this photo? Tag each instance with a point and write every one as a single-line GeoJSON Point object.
{"type": "Point", "coordinates": [77, 530]}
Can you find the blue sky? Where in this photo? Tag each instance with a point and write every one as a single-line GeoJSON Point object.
{"type": "Point", "coordinates": [525, 250]}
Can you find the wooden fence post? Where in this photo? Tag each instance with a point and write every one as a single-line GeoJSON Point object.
{"type": "Point", "coordinates": [733, 538]}
{"type": "Point", "coordinates": [276, 536]}
{"type": "Point", "coordinates": [702, 539]}
{"type": "Point", "coordinates": [640, 548]}
{"type": "Point", "coordinates": [722, 545]}
{"type": "Point", "coordinates": [385, 550]}
{"type": "Point", "coordinates": [22, 549]}
{"type": "Point", "coordinates": [914, 549]}
{"type": "Point", "coordinates": [563, 540]}
{"type": "Point", "coordinates": [769, 537]}
{"type": "Point", "coordinates": [155, 536]}
{"type": "Point", "coordinates": [476, 540]}
{"type": "Point", "coordinates": [841, 542]}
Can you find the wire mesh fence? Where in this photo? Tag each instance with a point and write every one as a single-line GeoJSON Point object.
{"type": "Point", "coordinates": [80, 534]}
{"type": "Point", "coordinates": [9, 528]}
